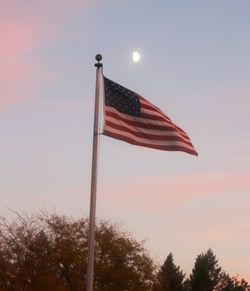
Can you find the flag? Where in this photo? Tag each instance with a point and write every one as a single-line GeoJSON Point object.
{"type": "Point", "coordinates": [131, 118]}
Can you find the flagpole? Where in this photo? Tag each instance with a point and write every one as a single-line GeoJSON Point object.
{"type": "Point", "coordinates": [91, 237]}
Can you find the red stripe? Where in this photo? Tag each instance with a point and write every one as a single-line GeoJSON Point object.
{"type": "Point", "coordinates": [153, 109]}
{"type": "Point", "coordinates": [159, 118]}
{"type": "Point", "coordinates": [156, 109]}
{"type": "Point", "coordinates": [147, 135]}
{"type": "Point", "coordinates": [159, 147]}
{"type": "Point", "coordinates": [141, 125]}
{"type": "Point", "coordinates": [153, 117]}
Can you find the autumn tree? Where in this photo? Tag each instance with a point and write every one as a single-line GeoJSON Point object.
{"type": "Point", "coordinates": [49, 252]}
{"type": "Point", "coordinates": [170, 277]}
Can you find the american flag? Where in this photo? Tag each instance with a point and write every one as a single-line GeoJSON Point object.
{"type": "Point", "coordinates": [131, 118]}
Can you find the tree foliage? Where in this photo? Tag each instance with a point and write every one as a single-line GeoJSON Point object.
{"type": "Point", "coordinates": [170, 277]}
{"type": "Point", "coordinates": [206, 272]}
{"type": "Point", "coordinates": [228, 283]}
{"type": "Point", "coordinates": [49, 252]}
{"type": "Point", "coordinates": [207, 275]}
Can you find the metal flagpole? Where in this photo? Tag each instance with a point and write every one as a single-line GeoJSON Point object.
{"type": "Point", "coordinates": [91, 238]}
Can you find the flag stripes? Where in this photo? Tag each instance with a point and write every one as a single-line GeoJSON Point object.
{"type": "Point", "coordinates": [143, 135]}
{"type": "Point", "coordinates": [152, 128]}
{"type": "Point", "coordinates": [154, 146]}
{"type": "Point", "coordinates": [116, 120]}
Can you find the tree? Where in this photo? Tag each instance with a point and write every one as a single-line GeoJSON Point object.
{"type": "Point", "coordinates": [170, 276]}
{"type": "Point", "coordinates": [49, 252]}
{"type": "Point", "coordinates": [206, 273]}
{"type": "Point", "coordinates": [228, 283]}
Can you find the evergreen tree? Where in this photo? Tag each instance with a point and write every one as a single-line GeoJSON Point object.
{"type": "Point", "coordinates": [228, 283]}
{"type": "Point", "coordinates": [170, 276]}
{"type": "Point", "coordinates": [206, 273]}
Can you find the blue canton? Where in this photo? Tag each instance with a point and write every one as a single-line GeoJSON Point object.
{"type": "Point", "coordinates": [121, 98]}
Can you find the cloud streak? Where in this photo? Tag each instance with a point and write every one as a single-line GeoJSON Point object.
{"type": "Point", "coordinates": [23, 30]}
{"type": "Point", "coordinates": [160, 193]}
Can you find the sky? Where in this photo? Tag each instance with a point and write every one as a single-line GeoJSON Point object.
{"type": "Point", "coordinates": [194, 66]}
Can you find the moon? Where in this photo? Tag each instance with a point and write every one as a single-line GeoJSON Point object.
{"type": "Point", "coordinates": [136, 56]}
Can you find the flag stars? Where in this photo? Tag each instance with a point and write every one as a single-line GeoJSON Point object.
{"type": "Point", "coordinates": [122, 99]}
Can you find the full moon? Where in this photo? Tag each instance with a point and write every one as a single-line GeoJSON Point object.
{"type": "Point", "coordinates": [136, 57]}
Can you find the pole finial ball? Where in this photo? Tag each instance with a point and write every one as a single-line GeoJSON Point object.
{"type": "Point", "coordinates": [98, 57]}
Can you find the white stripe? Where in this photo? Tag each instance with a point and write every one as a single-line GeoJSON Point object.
{"type": "Point", "coordinates": [154, 108]}
{"type": "Point", "coordinates": [143, 120]}
{"type": "Point", "coordinates": [154, 111]}
{"type": "Point", "coordinates": [149, 141]}
{"type": "Point", "coordinates": [158, 112]}
{"type": "Point", "coordinates": [145, 130]}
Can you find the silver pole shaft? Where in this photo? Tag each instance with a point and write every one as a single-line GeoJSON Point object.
{"type": "Point", "coordinates": [91, 238]}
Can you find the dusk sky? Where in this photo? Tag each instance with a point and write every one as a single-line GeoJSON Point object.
{"type": "Point", "coordinates": [194, 66]}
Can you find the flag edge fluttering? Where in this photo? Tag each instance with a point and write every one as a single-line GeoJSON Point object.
{"type": "Point", "coordinates": [119, 117]}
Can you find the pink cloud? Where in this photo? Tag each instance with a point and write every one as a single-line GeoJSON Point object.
{"type": "Point", "coordinates": [62, 104]}
{"type": "Point", "coordinates": [60, 7]}
{"type": "Point", "coordinates": [161, 193]}
{"type": "Point", "coordinates": [15, 68]}
{"type": "Point", "coordinates": [157, 196]}
{"type": "Point", "coordinates": [219, 232]}
{"type": "Point", "coordinates": [24, 27]}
